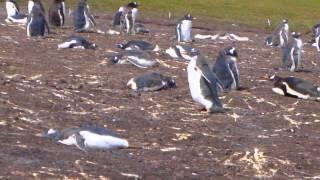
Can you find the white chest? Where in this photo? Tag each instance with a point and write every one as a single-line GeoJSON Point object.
{"type": "Point", "coordinates": [186, 30]}
{"type": "Point", "coordinates": [11, 9]}
{"type": "Point", "coordinates": [30, 6]}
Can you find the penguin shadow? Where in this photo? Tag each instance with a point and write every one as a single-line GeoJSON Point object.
{"type": "Point", "coordinates": [298, 71]}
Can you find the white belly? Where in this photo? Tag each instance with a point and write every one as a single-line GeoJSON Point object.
{"type": "Point", "coordinates": [11, 9]}
{"type": "Point", "coordinates": [97, 141]}
{"type": "Point", "coordinates": [186, 29]}
{"type": "Point", "coordinates": [30, 6]}
{"type": "Point", "coordinates": [87, 25]}
{"type": "Point", "coordinates": [194, 86]}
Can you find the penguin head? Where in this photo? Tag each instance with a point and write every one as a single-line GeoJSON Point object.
{"type": "Point", "coordinates": [188, 17]}
{"type": "Point", "coordinates": [285, 21]}
{"type": "Point", "coordinates": [268, 41]}
{"type": "Point", "coordinates": [231, 51]}
{"type": "Point", "coordinates": [271, 77]}
{"type": "Point", "coordinates": [133, 4]}
{"type": "Point", "coordinates": [121, 46]}
{"type": "Point", "coordinates": [92, 46]}
{"type": "Point", "coordinates": [53, 134]}
{"type": "Point", "coordinates": [171, 83]}
{"type": "Point", "coordinates": [296, 35]}
{"type": "Point", "coordinates": [194, 52]}
{"type": "Point", "coordinates": [114, 59]}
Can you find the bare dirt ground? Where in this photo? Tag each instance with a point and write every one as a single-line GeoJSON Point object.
{"type": "Point", "coordinates": [262, 136]}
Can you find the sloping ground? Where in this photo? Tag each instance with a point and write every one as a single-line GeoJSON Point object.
{"type": "Point", "coordinates": [262, 136]}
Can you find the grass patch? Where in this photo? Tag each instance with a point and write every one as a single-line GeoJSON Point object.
{"type": "Point", "coordinates": [302, 14]}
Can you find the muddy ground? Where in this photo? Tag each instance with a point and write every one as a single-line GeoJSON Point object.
{"type": "Point", "coordinates": [263, 135]}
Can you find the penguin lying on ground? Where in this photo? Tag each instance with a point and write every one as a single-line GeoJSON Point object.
{"type": "Point", "coordinates": [226, 69]}
{"type": "Point", "coordinates": [13, 13]}
{"type": "Point", "coordinates": [88, 138]}
{"type": "Point", "coordinates": [83, 21]}
{"type": "Point", "coordinates": [181, 51]}
{"type": "Point", "coordinates": [151, 81]}
{"type": "Point", "coordinates": [295, 87]}
{"type": "Point", "coordinates": [203, 84]}
{"type": "Point", "coordinates": [138, 58]}
{"type": "Point", "coordinates": [291, 54]}
{"type": "Point", "coordinates": [280, 35]}
{"type": "Point", "coordinates": [184, 29]}
{"type": "Point", "coordinates": [139, 45]}
{"type": "Point", "coordinates": [76, 42]}
{"type": "Point", "coordinates": [37, 24]}
{"type": "Point", "coordinates": [57, 13]}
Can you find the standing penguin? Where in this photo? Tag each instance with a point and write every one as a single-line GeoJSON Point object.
{"type": "Point", "coordinates": [226, 69]}
{"type": "Point", "coordinates": [316, 36]}
{"type": "Point", "coordinates": [133, 6]}
{"type": "Point", "coordinates": [37, 24]}
{"type": "Point", "coordinates": [291, 54]}
{"type": "Point", "coordinates": [116, 21]}
{"type": "Point", "coordinates": [295, 87]}
{"type": "Point", "coordinates": [13, 13]}
{"type": "Point", "coordinates": [184, 29]}
{"type": "Point", "coordinates": [31, 3]}
{"type": "Point", "coordinates": [203, 84]}
{"type": "Point", "coordinates": [280, 35]}
{"type": "Point", "coordinates": [56, 13]}
{"type": "Point", "coordinates": [83, 21]}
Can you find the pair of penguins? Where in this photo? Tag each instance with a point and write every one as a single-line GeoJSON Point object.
{"type": "Point", "coordinates": [291, 46]}
{"type": "Point", "coordinates": [291, 60]}
{"type": "Point", "coordinates": [36, 22]}
{"type": "Point", "coordinates": [125, 18]}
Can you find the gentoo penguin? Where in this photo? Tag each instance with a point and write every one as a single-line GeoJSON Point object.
{"type": "Point", "coordinates": [31, 3]}
{"type": "Point", "coordinates": [37, 24]}
{"type": "Point", "coordinates": [151, 81]}
{"type": "Point", "coordinates": [133, 6]}
{"type": "Point", "coordinates": [138, 58]}
{"type": "Point", "coordinates": [226, 69]}
{"type": "Point", "coordinates": [181, 51]}
{"type": "Point", "coordinates": [129, 23]}
{"type": "Point", "coordinates": [116, 21]}
{"type": "Point", "coordinates": [291, 54]}
{"type": "Point", "coordinates": [280, 35]}
{"type": "Point", "coordinates": [184, 29]}
{"type": "Point", "coordinates": [295, 87]}
{"type": "Point", "coordinates": [139, 45]}
{"type": "Point", "coordinates": [88, 138]}
{"type": "Point", "coordinates": [203, 84]}
{"type": "Point", "coordinates": [56, 13]}
{"type": "Point", "coordinates": [316, 36]}
{"type": "Point", "coordinates": [13, 13]}
{"type": "Point", "coordinates": [76, 42]}
{"type": "Point", "coordinates": [140, 29]}
{"type": "Point", "coordinates": [82, 19]}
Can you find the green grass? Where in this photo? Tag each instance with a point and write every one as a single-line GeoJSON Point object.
{"type": "Point", "coordinates": [302, 14]}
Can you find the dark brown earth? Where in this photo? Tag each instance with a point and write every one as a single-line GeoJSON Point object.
{"type": "Point", "coordinates": [262, 136]}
